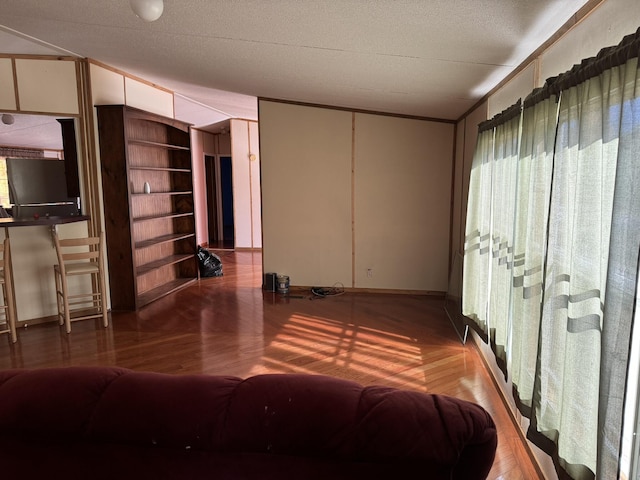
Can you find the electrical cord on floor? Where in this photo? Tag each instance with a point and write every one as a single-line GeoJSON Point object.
{"type": "Point", "coordinates": [323, 292]}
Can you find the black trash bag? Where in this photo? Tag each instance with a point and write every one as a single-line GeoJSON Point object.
{"type": "Point", "coordinates": [209, 263]}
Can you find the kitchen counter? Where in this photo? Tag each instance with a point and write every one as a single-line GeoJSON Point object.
{"type": "Point", "coordinates": [41, 221]}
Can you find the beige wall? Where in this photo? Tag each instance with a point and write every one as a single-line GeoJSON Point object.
{"type": "Point", "coordinates": [47, 86]}
{"type": "Point", "coordinates": [344, 193]}
{"type": "Point", "coordinates": [306, 193]}
{"type": "Point", "coordinates": [402, 191]}
{"type": "Point", "coordinates": [41, 86]}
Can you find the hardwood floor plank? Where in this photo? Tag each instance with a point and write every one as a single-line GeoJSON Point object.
{"type": "Point", "coordinates": [228, 326]}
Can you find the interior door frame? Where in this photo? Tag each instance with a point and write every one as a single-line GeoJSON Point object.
{"type": "Point", "coordinates": [214, 198]}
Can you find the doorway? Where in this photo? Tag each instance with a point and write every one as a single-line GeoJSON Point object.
{"type": "Point", "coordinates": [220, 201]}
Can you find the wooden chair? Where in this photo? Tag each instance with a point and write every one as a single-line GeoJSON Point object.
{"type": "Point", "coordinates": [80, 256]}
{"type": "Point", "coordinates": [8, 307]}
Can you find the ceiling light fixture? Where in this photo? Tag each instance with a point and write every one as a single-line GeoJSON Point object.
{"type": "Point", "coordinates": [147, 10]}
{"type": "Point", "coordinates": [8, 119]}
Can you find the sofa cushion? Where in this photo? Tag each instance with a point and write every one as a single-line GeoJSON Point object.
{"type": "Point", "coordinates": [122, 420]}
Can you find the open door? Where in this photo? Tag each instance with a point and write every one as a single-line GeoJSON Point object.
{"type": "Point", "coordinates": [220, 201]}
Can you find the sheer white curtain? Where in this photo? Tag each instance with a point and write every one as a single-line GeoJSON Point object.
{"type": "Point", "coordinates": [530, 241]}
{"type": "Point", "coordinates": [590, 279]}
{"type": "Point", "coordinates": [623, 121]}
{"type": "Point", "coordinates": [562, 316]}
{"type": "Point", "coordinates": [475, 286]}
{"type": "Point", "coordinates": [566, 394]}
{"type": "Point", "coordinates": [489, 230]}
{"type": "Point", "coordinates": [503, 215]}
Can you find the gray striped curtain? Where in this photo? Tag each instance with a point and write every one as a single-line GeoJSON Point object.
{"type": "Point", "coordinates": [568, 207]}
{"type": "Point", "coordinates": [530, 242]}
{"type": "Point", "coordinates": [489, 229]}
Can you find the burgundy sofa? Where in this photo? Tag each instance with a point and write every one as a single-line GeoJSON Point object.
{"type": "Point", "coordinates": [113, 423]}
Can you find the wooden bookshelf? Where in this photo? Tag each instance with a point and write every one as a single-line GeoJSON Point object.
{"type": "Point", "coordinates": [151, 241]}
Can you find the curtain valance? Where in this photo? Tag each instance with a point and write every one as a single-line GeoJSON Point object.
{"type": "Point", "coordinates": [502, 117]}
{"type": "Point", "coordinates": [606, 59]}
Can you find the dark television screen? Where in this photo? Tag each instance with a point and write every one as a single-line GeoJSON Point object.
{"type": "Point", "coordinates": [37, 180]}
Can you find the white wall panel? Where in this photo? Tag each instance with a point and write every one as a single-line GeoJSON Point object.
{"type": "Point", "coordinates": [146, 97]}
{"type": "Point", "coordinates": [240, 167]}
{"type": "Point", "coordinates": [107, 86]}
{"type": "Point", "coordinates": [7, 90]}
{"type": "Point", "coordinates": [402, 183]}
{"type": "Point", "coordinates": [254, 172]}
{"type": "Point", "coordinates": [306, 193]}
{"type": "Point", "coordinates": [344, 193]}
{"type": "Point", "coordinates": [47, 86]}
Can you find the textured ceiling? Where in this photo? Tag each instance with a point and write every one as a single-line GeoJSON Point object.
{"type": "Point", "coordinates": [430, 58]}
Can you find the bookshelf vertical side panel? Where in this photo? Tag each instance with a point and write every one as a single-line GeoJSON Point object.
{"type": "Point", "coordinates": [115, 187]}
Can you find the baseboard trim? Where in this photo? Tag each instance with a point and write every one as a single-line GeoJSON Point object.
{"type": "Point", "coordinates": [427, 293]}
{"type": "Point", "coordinates": [37, 321]}
{"type": "Point", "coordinates": [510, 411]}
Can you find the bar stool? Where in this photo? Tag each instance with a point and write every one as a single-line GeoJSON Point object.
{"type": "Point", "coordinates": [80, 256]}
{"type": "Point", "coordinates": [8, 307]}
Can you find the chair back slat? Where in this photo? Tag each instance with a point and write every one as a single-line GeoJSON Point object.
{"type": "Point", "coordinates": [78, 242]}
{"type": "Point", "coordinates": [80, 256]}
{"type": "Point", "coordinates": [77, 249]}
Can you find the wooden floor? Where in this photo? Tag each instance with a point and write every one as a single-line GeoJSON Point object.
{"type": "Point", "coordinates": [229, 325]}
